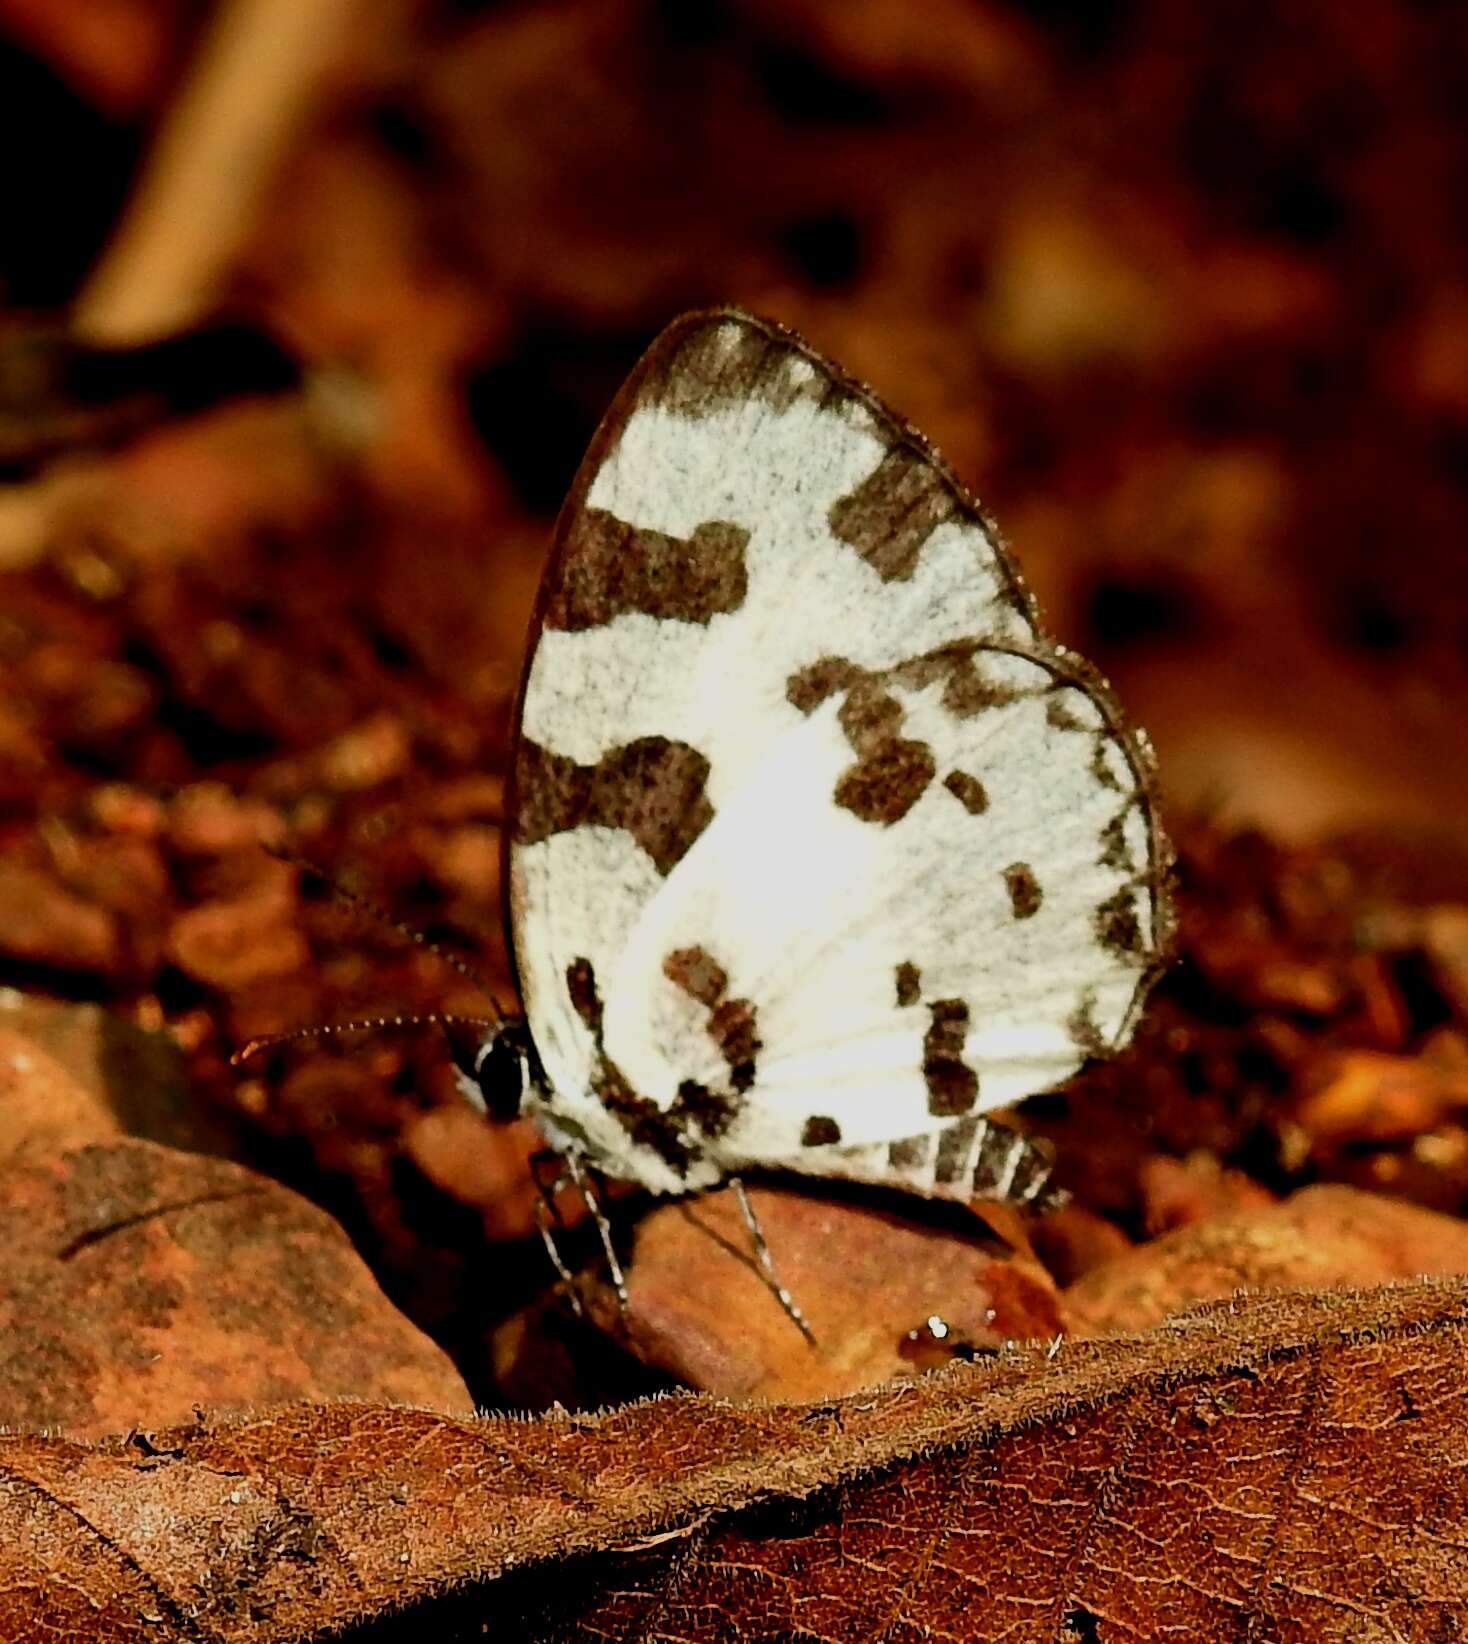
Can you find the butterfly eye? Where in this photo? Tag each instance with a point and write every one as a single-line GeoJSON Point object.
{"type": "Point", "coordinates": [493, 1068]}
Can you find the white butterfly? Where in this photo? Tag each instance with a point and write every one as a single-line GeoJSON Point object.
{"type": "Point", "coordinates": [820, 850]}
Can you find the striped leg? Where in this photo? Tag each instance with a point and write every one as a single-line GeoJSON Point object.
{"type": "Point", "coordinates": [766, 1264]}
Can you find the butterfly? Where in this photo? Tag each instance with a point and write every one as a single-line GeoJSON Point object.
{"type": "Point", "coordinates": [819, 850]}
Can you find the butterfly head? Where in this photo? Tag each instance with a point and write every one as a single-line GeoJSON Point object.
{"type": "Point", "coordinates": [494, 1069]}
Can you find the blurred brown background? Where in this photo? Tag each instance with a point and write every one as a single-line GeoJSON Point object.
{"type": "Point", "coordinates": [1180, 291]}
{"type": "Point", "coordinates": [311, 310]}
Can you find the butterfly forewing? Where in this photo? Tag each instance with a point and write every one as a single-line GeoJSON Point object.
{"type": "Point", "coordinates": [820, 849]}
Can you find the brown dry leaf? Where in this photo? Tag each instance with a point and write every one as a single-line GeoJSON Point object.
{"type": "Point", "coordinates": [1325, 1235]}
{"type": "Point", "coordinates": [700, 1310]}
{"type": "Point", "coordinates": [1289, 1467]}
{"type": "Point", "coordinates": [140, 1282]}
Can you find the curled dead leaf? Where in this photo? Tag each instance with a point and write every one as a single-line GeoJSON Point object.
{"type": "Point", "coordinates": [1285, 1466]}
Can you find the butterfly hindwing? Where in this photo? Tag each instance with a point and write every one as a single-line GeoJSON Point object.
{"type": "Point", "coordinates": [820, 849]}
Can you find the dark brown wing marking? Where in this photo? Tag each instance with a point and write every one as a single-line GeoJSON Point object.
{"type": "Point", "coordinates": [1116, 924]}
{"type": "Point", "coordinates": [610, 567]}
{"type": "Point", "coordinates": [1025, 895]}
{"type": "Point", "coordinates": [653, 787]}
{"type": "Point", "coordinates": [887, 781]}
{"type": "Point", "coordinates": [697, 973]}
{"type": "Point", "coordinates": [892, 513]}
{"type": "Point", "coordinates": [1085, 1035]}
{"type": "Point", "coordinates": [910, 1153]}
{"type": "Point", "coordinates": [732, 1027]}
{"type": "Point", "coordinates": [820, 1131]}
{"type": "Point", "coordinates": [710, 1111]}
{"type": "Point", "coordinates": [732, 1023]}
{"type": "Point", "coordinates": [675, 1133]}
{"type": "Point", "coordinates": [893, 772]}
{"type": "Point", "coordinates": [731, 362]}
{"type": "Point", "coordinates": [585, 1000]}
{"type": "Point", "coordinates": [968, 791]}
{"type": "Point", "coordinates": [1059, 717]}
{"type": "Point", "coordinates": [953, 1086]}
{"type": "Point", "coordinates": [809, 688]}
{"type": "Point", "coordinates": [909, 984]}
{"type": "Point", "coordinates": [1005, 1164]}
{"type": "Point", "coordinates": [1115, 852]}
{"type": "Point", "coordinates": [967, 690]}
{"type": "Point", "coordinates": [1013, 1167]}
{"type": "Point", "coordinates": [953, 1150]}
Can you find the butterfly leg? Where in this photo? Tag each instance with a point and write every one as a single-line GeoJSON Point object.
{"type": "Point", "coordinates": [548, 1222]}
{"type": "Point", "coordinates": [579, 1175]}
{"type": "Point", "coordinates": [766, 1263]}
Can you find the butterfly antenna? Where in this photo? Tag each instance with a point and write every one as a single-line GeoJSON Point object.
{"type": "Point", "coordinates": [329, 1030]}
{"type": "Point", "coordinates": [380, 916]}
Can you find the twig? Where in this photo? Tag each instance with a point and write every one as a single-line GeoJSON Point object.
{"type": "Point", "coordinates": [258, 69]}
